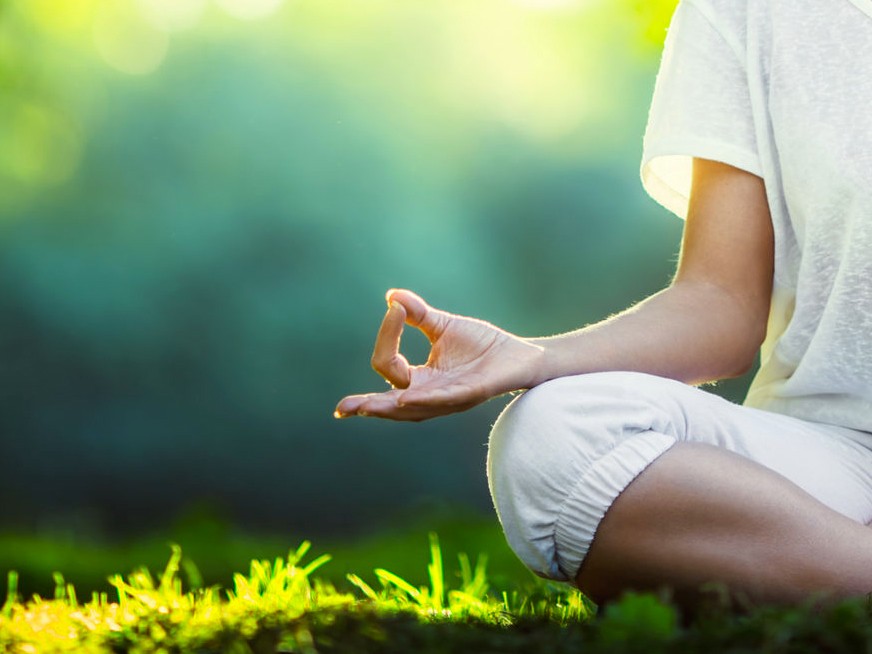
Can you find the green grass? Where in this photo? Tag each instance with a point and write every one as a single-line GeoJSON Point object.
{"type": "Point", "coordinates": [220, 550]}
{"type": "Point", "coordinates": [277, 606]}
{"type": "Point", "coordinates": [286, 605]}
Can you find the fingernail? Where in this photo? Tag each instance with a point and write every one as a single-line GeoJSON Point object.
{"type": "Point", "coordinates": [338, 414]}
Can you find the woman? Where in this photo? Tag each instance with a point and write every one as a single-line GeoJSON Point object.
{"type": "Point", "coordinates": [613, 472]}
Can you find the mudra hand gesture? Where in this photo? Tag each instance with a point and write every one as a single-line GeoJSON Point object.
{"type": "Point", "coordinates": [470, 361]}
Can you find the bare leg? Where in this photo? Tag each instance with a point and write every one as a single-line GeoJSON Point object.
{"type": "Point", "coordinates": [700, 514]}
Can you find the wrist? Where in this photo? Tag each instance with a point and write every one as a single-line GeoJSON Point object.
{"type": "Point", "coordinates": [536, 367]}
{"type": "Point", "coordinates": [565, 355]}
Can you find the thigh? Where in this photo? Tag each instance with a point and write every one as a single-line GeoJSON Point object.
{"type": "Point", "coordinates": [700, 515]}
{"type": "Point", "coordinates": [826, 461]}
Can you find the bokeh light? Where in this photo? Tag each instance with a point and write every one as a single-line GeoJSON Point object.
{"type": "Point", "coordinates": [62, 16]}
{"type": "Point", "coordinates": [250, 9]}
{"type": "Point", "coordinates": [200, 216]}
{"type": "Point", "coordinates": [172, 15]}
{"type": "Point", "coordinates": [534, 76]}
{"type": "Point", "coordinates": [41, 146]}
{"type": "Point", "coordinates": [126, 40]}
{"type": "Point", "coordinates": [556, 5]}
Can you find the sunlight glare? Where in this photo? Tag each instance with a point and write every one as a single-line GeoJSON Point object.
{"type": "Point", "coordinates": [556, 5]}
{"type": "Point", "coordinates": [536, 81]}
{"type": "Point", "coordinates": [172, 15]}
{"type": "Point", "coordinates": [250, 9]}
{"type": "Point", "coordinates": [62, 16]}
{"type": "Point", "coordinates": [126, 41]}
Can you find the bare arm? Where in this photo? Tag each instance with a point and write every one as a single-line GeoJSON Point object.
{"type": "Point", "coordinates": [711, 321]}
{"type": "Point", "coordinates": [707, 325]}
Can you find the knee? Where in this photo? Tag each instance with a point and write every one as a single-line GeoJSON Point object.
{"type": "Point", "coordinates": [522, 452]}
{"type": "Point", "coordinates": [543, 446]}
{"type": "Point", "coordinates": [579, 418]}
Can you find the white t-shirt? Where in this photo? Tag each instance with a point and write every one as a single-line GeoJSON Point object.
{"type": "Point", "coordinates": [783, 89]}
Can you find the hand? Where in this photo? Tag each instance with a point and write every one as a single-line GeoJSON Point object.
{"type": "Point", "coordinates": [470, 361]}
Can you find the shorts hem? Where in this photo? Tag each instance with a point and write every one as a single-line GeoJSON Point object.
{"type": "Point", "coordinates": [590, 498]}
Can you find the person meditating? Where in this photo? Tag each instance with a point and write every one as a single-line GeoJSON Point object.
{"type": "Point", "coordinates": [612, 471]}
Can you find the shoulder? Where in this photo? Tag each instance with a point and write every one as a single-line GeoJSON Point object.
{"type": "Point", "coordinates": [736, 21]}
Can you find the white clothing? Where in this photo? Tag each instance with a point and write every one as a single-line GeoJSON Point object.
{"type": "Point", "coordinates": [783, 89]}
{"type": "Point", "coordinates": [563, 451]}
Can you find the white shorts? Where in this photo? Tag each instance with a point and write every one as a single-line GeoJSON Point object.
{"type": "Point", "coordinates": [562, 452]}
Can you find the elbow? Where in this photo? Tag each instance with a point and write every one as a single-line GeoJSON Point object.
{"type": "Point", "coordinates": [741, 366]}
{"type": "Point", "coordinates": [732, 344]}
{"type": "Point", "coordinates": [744, 348]}
{"type": "Point", "coordinates": [735, 325]}
{"type": "Point", "coordinates": [725, 363]}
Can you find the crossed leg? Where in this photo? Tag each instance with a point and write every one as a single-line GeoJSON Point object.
{"type": "Point", "coordinates": [618, 481]}
{"type": "Point", "coordinates": [701, 514]}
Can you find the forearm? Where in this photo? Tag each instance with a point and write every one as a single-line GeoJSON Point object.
{"type": "Point", "coordinates": [707, 325]}
{"type": "Point", "coordinates": [693, 332]}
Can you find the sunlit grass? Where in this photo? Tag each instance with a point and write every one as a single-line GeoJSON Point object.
{"type": "Point", "coordinates": [472, 598]}
{"type": "Point", "coordinates": [276, 605]}
{"type": "Point", "coordinates": [282, 606]}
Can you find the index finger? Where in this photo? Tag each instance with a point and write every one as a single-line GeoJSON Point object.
{"type": "Point", "coordinates": [386, 358]}
{"type": "Point", "coordinates": [419, 314]}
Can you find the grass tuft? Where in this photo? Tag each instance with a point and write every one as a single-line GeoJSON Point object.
{"type": "Point", "coordinates": [280, 606]}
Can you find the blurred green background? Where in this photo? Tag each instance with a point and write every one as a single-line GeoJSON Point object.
{"type": "Point", "coordinates": [202, 203]}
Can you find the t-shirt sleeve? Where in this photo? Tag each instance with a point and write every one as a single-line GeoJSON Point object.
{"type": "Point", "coordinates": [701, 107]}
